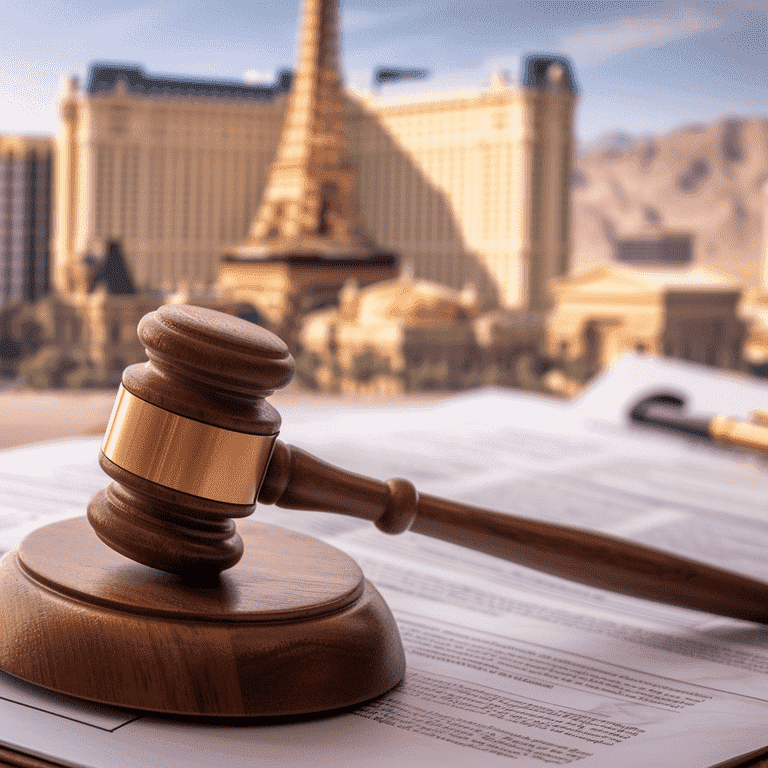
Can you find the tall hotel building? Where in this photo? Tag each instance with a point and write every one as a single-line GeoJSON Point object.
{"type": "Point", "coordinates": [25, 217]}
{"type": "Point", "coordinates": [172, 169]}
{"type": "Point", "coordinates": [468, 188]}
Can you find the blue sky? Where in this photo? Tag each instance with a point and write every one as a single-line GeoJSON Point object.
{"type": "Point", "coordinates": [642, 66]}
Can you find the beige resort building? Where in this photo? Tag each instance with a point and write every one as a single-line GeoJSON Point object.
{"type": "Point", "coordinates": [409, 335]}
{"type": "Point", "coordinates": [170, 168]}
{"type": "Point", "coordinates": [470, 187]}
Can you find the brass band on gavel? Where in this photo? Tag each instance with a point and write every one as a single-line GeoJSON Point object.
{"type": "Point", "coordinates": [184, 454]}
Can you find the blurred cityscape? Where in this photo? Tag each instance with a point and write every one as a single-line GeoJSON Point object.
{"type": "Point", "coordinates": [426, 242]}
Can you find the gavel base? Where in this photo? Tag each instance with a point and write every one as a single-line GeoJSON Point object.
{"type": "Point", "coordinates": [294, 628]}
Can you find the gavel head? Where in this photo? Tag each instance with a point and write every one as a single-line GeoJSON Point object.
{"type": "Point", "coordinates": [189, 440]}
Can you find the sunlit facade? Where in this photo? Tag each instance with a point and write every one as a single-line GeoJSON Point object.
{"type": "Point", "coordinates": [173, 170]}
{"type": "Point", "coordinates": [468, 188]}
{"type": "Point", "coordinates": [476, 188]}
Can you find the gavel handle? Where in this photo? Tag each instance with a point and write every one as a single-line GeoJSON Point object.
{"type": "Point", "coordinates": [297, 480]}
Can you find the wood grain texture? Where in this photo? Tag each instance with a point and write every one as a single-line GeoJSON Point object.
{"type": "Point", "coordinates": [215, 369]}
{"type": "Point", "coordinates": [295, 628]}
{"type": "Point", "coordinates": [297, 480]}
{"type": "Point", "coordinates": [761, 761]}
{"type": "Point", "coordinates": [163, 528]}
{"type": "Point", "coordinates": [211, 367]}
{"type": "Point", "coordinates": [14, 759]}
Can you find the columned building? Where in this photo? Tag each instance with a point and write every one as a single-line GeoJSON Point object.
{"type": "Point", "coordinates": [690, 313]}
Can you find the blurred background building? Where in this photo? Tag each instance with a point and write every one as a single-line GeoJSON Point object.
{"type": "Point", "coordinates": [468, 188]}
{"type": "Point", "coordinates": [691, 314]}
{"type": "Point", "coordinates": [25, 217]}
{"type": "Point", "coordinates": [172, 169]}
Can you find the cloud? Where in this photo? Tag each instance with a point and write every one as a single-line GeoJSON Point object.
{"type": "Point", "coordinates": [258, 76]}
{"type": "Point", "coordinates": [598, 43]}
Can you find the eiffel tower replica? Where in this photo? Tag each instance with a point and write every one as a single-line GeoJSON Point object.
{"type": "Point", "coordinates": [309, 236]}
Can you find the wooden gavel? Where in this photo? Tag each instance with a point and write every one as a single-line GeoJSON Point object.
{"type": "Point", "coordinates": [192, 445]}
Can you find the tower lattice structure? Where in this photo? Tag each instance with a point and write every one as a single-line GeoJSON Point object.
{"type": "Point", "coordinates": [311, 205]}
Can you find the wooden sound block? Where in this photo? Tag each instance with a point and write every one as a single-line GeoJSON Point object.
{"type": "Point", "coordinates": [294, 628]}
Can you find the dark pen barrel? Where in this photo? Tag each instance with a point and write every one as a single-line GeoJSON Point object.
{"type": "Point", "coordinates": [673, 418]}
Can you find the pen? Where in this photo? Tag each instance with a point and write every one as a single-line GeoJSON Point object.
{"type": "Point", "coordinates": [668, 412]}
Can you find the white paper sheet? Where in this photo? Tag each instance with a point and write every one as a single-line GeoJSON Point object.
{"type": "Point", "coordinates": [506, 666]}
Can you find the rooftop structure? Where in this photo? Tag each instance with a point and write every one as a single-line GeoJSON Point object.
{"type": "Point", "coordinates": [104, 77]}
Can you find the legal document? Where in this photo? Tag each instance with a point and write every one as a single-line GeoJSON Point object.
{"type": "Point", "coordinates": [505, 665]}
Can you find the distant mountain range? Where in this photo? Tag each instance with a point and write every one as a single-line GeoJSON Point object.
{"type": "Point", "coordinates": [703, 179]}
